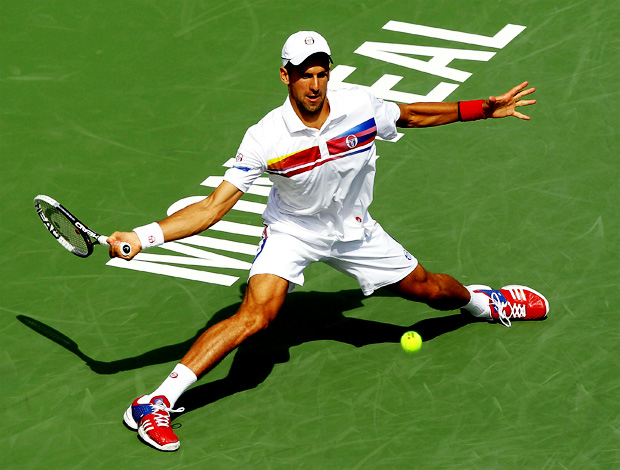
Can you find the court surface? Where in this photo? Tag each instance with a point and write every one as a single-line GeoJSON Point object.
{"type": "Point", "coordinates": [121, 108]}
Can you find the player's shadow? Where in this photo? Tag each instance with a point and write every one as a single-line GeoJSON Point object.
{"type": "Point", "coordinates": [305, 316]}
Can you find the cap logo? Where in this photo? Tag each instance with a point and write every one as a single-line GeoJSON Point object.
{"type": "Point", "coordinates": [309, 40]}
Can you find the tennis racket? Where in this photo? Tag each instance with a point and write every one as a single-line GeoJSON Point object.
{"type": "Point", "coordinates": [68, 230]}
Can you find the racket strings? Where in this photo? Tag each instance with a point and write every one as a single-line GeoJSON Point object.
{"type": "Point", "coordinates": [64, 227]}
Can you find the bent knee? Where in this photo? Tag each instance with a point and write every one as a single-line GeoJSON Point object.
{"type": "Point", "coordinates": [256, 319]}
{"type": "Point", "coordinates": [427, 292]}
{"type": "Point", "coordinates": [421, 286]}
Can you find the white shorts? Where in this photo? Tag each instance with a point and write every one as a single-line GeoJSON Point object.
{"type": "Point", "coordinates": [375, 262]}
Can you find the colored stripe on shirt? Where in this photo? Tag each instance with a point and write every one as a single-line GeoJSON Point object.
{"type": "Point", "coordinates": [353, 138]}
{"type": "Point", "coordinates": [293, 160]}
{"type": "Point", "coordinates": [347, 144]}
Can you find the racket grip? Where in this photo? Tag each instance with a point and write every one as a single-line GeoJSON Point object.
{"type": "Point", "coordinates": [125, 247]}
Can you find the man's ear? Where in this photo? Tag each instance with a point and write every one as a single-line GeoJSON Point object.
{"type": "Point", "coordinates": [284, 76]}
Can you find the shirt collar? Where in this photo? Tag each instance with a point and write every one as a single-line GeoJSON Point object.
{"type": "Point", "coordinates": [294, 124]}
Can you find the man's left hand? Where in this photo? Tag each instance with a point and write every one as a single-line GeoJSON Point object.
{"type": "Point", "coordinates": [506, 105]}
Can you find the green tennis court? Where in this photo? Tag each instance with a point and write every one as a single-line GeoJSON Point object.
{"type": "Point", "coordinates": [119, 109]}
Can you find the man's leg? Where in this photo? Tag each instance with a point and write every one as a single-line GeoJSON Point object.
{"type": "Point", "coordinates": [149, 414]}
{"type": "Point", "coordinates": [263, 299]}
{"type": "Point", "coordinates": [443, 292]}
{"type": "Point", "coordinates": [439, 291]}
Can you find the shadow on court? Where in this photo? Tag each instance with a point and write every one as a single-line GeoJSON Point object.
{"type": "Point", "coordinates": [305, 317]}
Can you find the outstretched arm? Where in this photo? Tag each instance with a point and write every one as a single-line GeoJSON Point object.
{"type": "Point", "coordinates": [191, 220]}
{"type": "Point", "coordinates": [437, 114]}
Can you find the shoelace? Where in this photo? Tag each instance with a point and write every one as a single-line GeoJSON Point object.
{"type": "Point", "coordinates": [504, 318]}
{"type": "Point", "coordinates": [163, 420]}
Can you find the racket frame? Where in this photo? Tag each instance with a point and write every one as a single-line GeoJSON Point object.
{"type": "Point", "coordinates": [87, 233]}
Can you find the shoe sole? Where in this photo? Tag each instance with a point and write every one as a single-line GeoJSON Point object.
{"type": "Point", "coordinates": [148, 441]}
{"type": "Point", "coordinates": [514, 286]}
{"type": "Point", "coordinates": [129, 421]}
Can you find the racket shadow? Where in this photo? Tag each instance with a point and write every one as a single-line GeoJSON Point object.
{"type": "Point", "coordinates": [305, 317]}
{"type": "Point", "coordinates": [156, 356]}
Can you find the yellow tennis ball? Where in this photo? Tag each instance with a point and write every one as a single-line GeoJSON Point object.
{"type": "Point", "coordinates": [411, 341]}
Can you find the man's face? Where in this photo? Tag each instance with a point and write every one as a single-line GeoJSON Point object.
{"type": "Point", "coordinates": [307, 85]}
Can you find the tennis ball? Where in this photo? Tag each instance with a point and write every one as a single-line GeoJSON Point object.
{"type": "Point", "coordinates": [411, 341]}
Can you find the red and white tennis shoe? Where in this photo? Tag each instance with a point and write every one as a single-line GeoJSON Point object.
{"type": "Point", "coordinates": [152, 421]}
{"type": "Point", "coordinates": [514, 303]}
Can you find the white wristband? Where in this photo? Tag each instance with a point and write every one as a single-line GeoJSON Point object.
{"type": "Point", "coordinates": [150, 235]}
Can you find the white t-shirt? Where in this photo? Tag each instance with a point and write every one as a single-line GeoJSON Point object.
{"type": "Point", "coordinates": [322, 178]}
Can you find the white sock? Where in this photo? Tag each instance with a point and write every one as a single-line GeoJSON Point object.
{"type": "Point", "coordinates": [478, 305]}
{"type": "Point", "coordinates": [179, 380]}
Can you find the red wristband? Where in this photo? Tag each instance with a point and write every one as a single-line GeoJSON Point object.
{"type": "Point", "coordinates": [471, 110]}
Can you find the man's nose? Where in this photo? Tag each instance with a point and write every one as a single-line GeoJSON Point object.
{"type": "Point", "coordinates": [314, 85]}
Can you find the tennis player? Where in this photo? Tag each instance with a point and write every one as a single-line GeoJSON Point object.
{"type": "Point", "coordinates": [318, 149]}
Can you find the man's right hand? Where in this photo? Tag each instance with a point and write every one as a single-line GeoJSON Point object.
{"type": "Point", "coordinates": [117, 238]}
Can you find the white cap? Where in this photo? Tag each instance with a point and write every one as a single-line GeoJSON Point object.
{"type": "Point", "coordinates": [301, 45]}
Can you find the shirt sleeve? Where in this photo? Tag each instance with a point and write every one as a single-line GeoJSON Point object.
{"type": "Point", "coordinates": [249, 164]}
{"type": "Point", "coordinates": [386, 115]}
